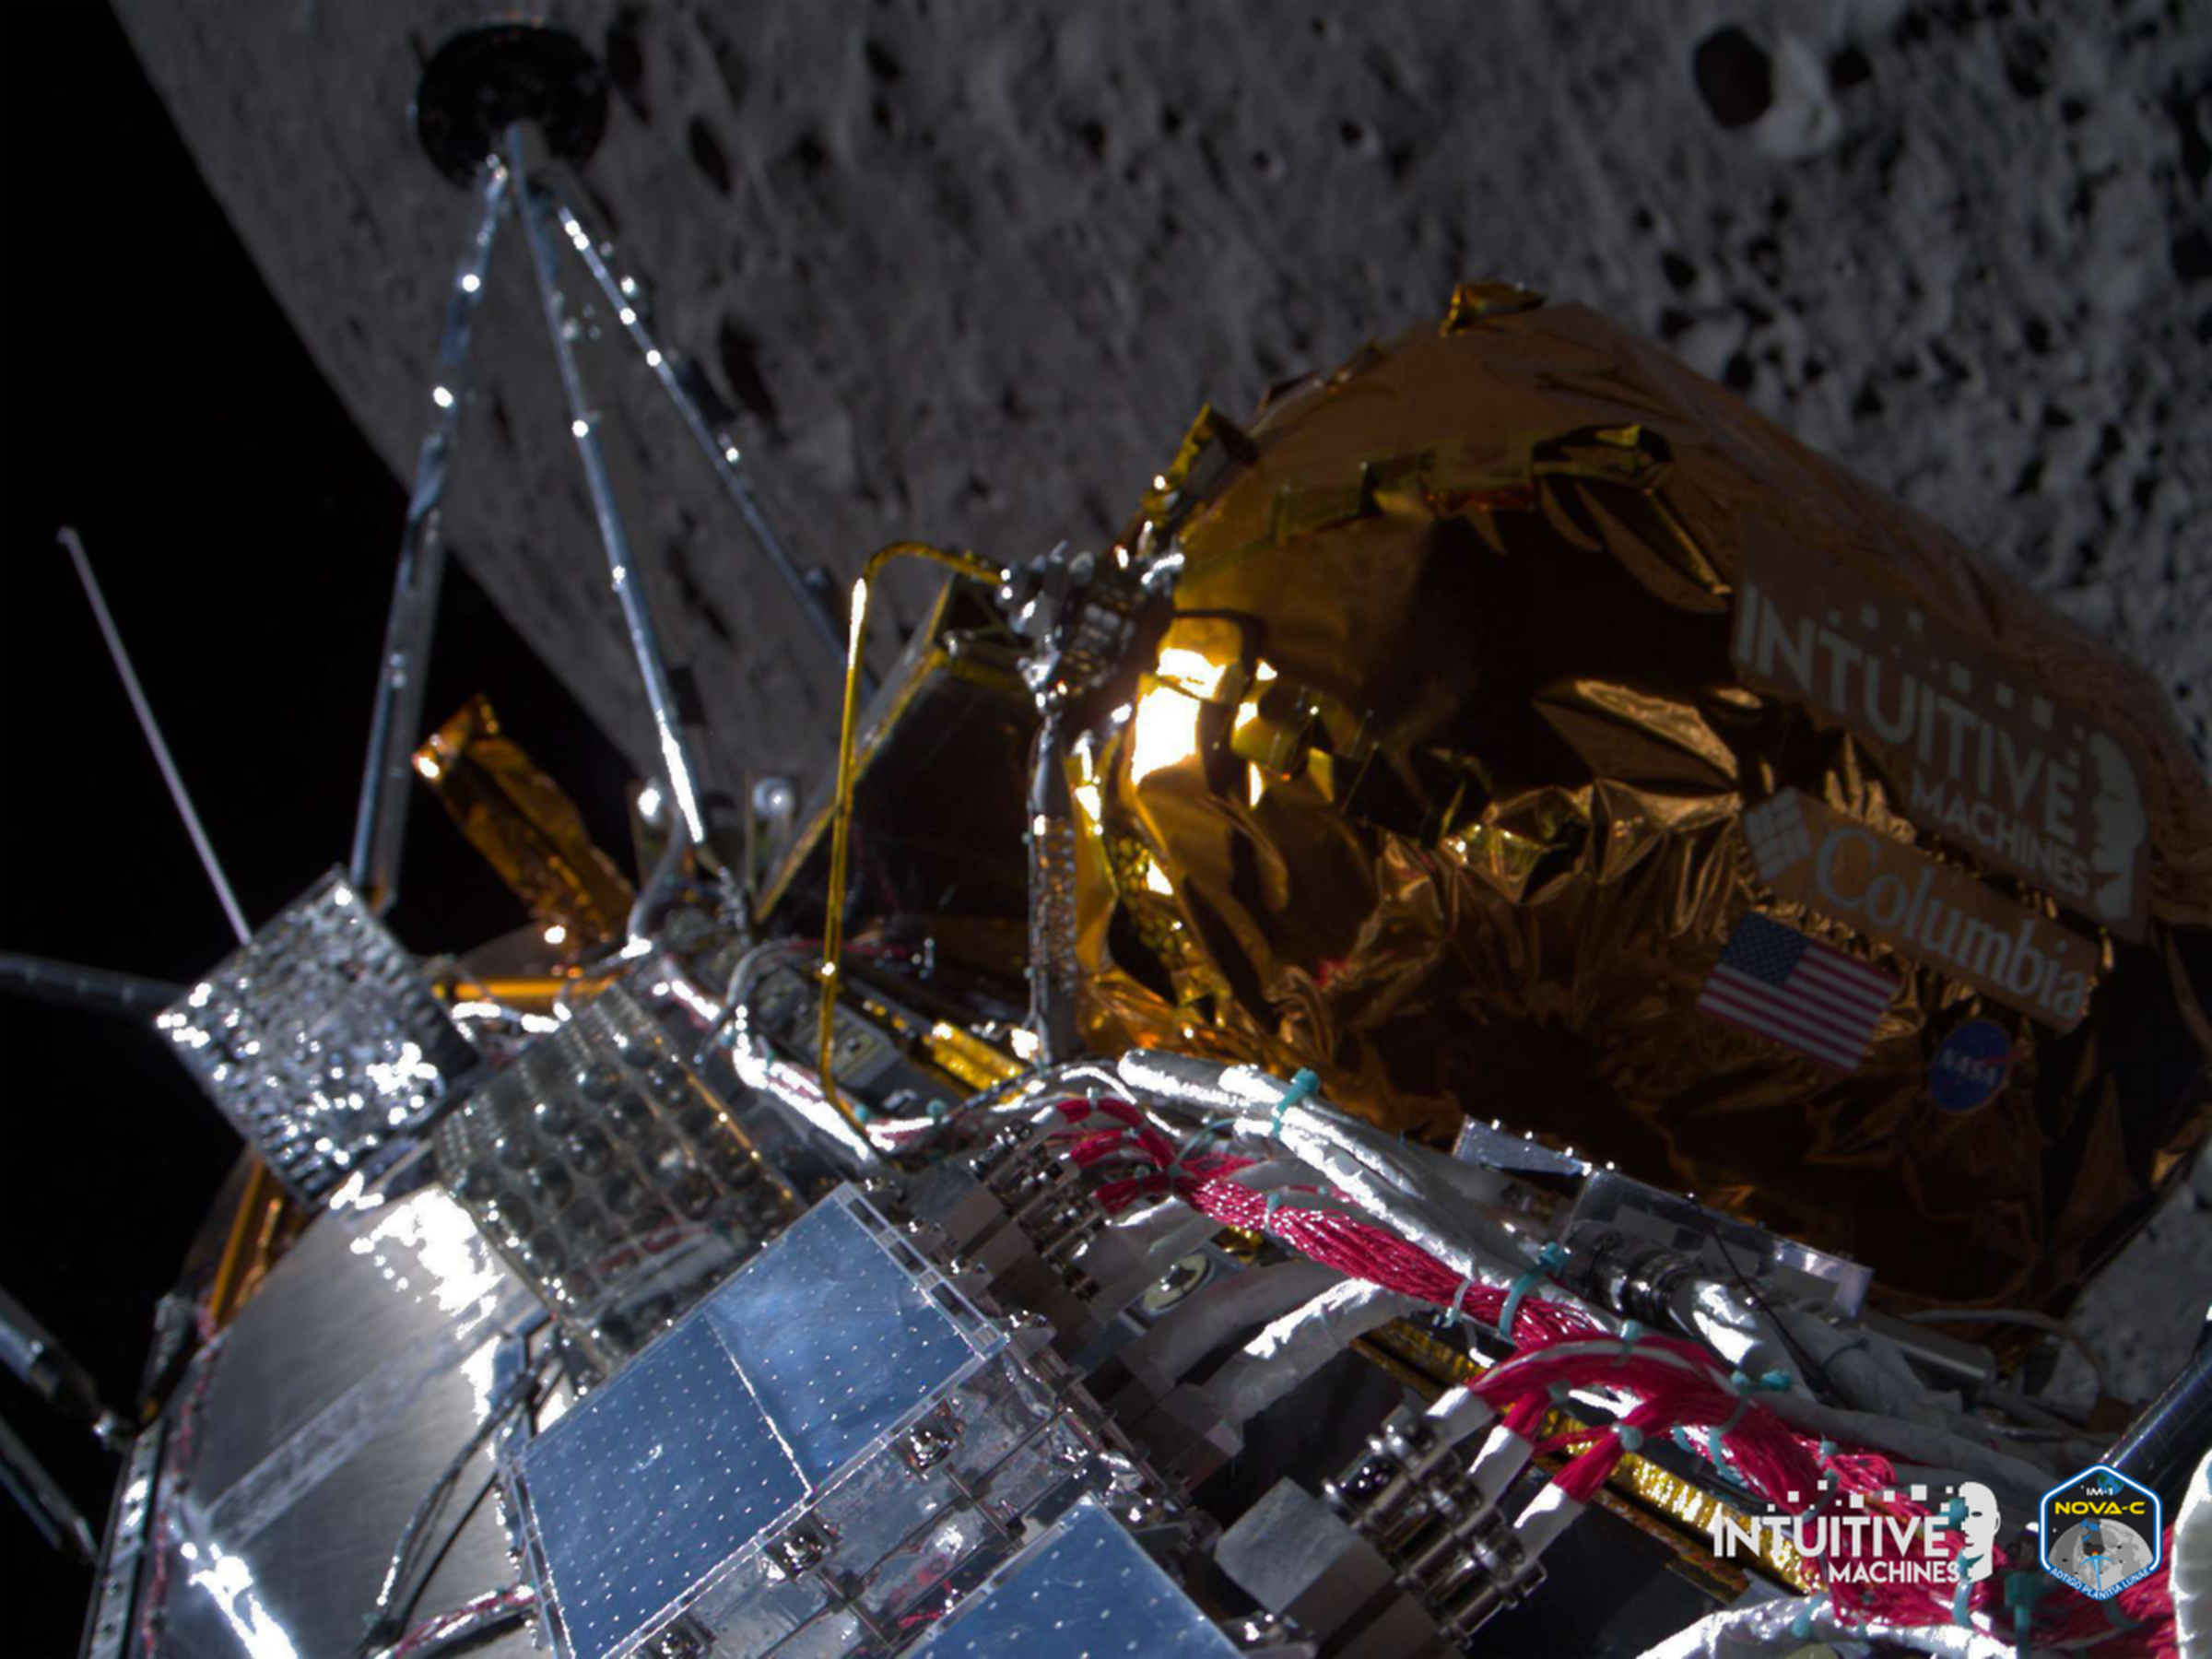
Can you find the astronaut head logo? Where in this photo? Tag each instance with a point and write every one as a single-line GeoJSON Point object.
{"type": "Point", "coordinates": [1974, 1519]}
{"type": "Point", "coordinates": [2116, 814]}
{"type": "Point", "coordinates": [2101, 1531]}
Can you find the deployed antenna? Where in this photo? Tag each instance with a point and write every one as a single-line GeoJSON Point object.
{"type": "Point", "coordinates": [146, 723]}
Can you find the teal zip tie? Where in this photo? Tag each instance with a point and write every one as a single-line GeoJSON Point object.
{"type": "Point", "coordinates": [1301, 1085]}
{"type": "Point", "coordinates": [1548, 1262]}
{"type": "Point", "coordinates": [1558, 1391]}
{"type": "Point", "coordinates": [1630, 1438]}
{"type": "Point", "coordinates": [1720, 1431]}
{"type": "Point", "coordinates": [1801, 1626]}
{"type": "Point", "coordinates": [1631, 1334]}
{"type": "Point", "coordinates": [1682, 1438]}
{"type": "Point", "coordinates": [1773, 1381]}
{"type": "Point", "coordinates": [1208, 1131]}
{"type": "Point", "coordinates": [1459, 1297]}
{"type": "Point", "coordinates": [1960, 1613]}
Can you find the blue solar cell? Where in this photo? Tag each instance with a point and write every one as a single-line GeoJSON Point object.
{"type": "Point", "coordinates": [1088, 1591]}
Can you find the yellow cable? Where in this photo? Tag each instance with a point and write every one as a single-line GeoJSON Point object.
{"type": "Point", "coordinates": [841, 834]}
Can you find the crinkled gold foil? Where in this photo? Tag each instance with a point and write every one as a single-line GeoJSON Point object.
{"type": "Point", "coordinates": [526, 827]}
{"type": "Point", "coordinates": [1435, 783]}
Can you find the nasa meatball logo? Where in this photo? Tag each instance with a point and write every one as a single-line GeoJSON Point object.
{"type": "Point", "coordinates": [2101, 1531]}
{"type": "Point", "coordinates": [1971, 1066]}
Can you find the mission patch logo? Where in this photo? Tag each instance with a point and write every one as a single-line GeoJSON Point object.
{"type": "Point", "coordinates": [2101, 1531]}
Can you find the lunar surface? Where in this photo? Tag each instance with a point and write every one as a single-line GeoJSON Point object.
{"type": "Point", "coordinates": [2116, 1551]}
{"type": "Point", "coordinates": [965, 272]}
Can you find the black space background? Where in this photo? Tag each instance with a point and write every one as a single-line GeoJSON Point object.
{"type": "Point", "coordinates": [158, 399]}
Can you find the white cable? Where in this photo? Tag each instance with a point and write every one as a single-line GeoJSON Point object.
{"type": "Point", "coordinates": [1293, 1347]}
{"type": "Point", "coordinates": [1550, 1513]}
{"type": "Point", "coordinates": [1142, 1228]}
{"type": "Point", "coordinates": [1503, 1456]}
{"type": "Point", "coordinates": [1459, 1412]}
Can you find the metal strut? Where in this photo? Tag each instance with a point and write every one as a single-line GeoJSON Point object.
{"type": "Point", "coordinates": [721, 451]}
{"type": "Point", "coordinates": [540, 213]}
{"type": "Point", "coordinates": [379, 825]}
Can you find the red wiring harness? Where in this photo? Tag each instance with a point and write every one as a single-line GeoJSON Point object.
{"type": "Point", "coordinates": [1678, 1389]}
{"type": "Point", "coordinates": [432, 1631]}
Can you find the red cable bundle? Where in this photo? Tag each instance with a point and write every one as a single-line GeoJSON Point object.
{"type": "Point", "coordinates": [1677, 1384]}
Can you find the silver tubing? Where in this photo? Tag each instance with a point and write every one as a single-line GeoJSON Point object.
{"type": "Point", "coordinates": [98, 990]}
{"type": "Point", "coordinates": [721, 450]}
{"type": "Point", "coordinates": [539, 212]}
{"type": "Point", "coordinates": [379, 825]}
{"type": "Point", "coordinates": [146, 723]}
{"type": "Point", "coordinates": [43, 1502]}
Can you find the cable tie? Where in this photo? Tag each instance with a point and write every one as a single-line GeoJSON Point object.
{"type": "Point", "coordinates": [1303, 1083]}
{"type": "Point", "coordinates": [1547, 1261]}
{"type": "Point", "coordinates": [1744, 1388]}
{"type": "Point", "coordinates": [1559, 1391]}
{"type": "Point", "coordinates": [1630, 1437]}
{"type": "Point", "coordinates": [1632, 1334]}
{"type": "Point", "coordinates": [1801, 1626]}
{"type": "Point", "coordinates": [1207, 1131]}
{"type": "Point", "coordinates": [1459, 1297]}
{"type": "Point", "coordinates": [1961, 1612]}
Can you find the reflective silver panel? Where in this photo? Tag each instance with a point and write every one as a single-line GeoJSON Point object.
{"type": "Point", "coordinates": [319, 1039]}
{"type": "Point", "coordinates": [610, 1177]}
{"type": "Point", "coordinates": [304, 1437]}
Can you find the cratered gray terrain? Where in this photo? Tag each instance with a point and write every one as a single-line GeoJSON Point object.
{"type": "Point", "coordinates": [965, 271]}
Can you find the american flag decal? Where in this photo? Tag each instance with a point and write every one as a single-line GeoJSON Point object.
{"type": "Point", "coordinates": [1776, 981]}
